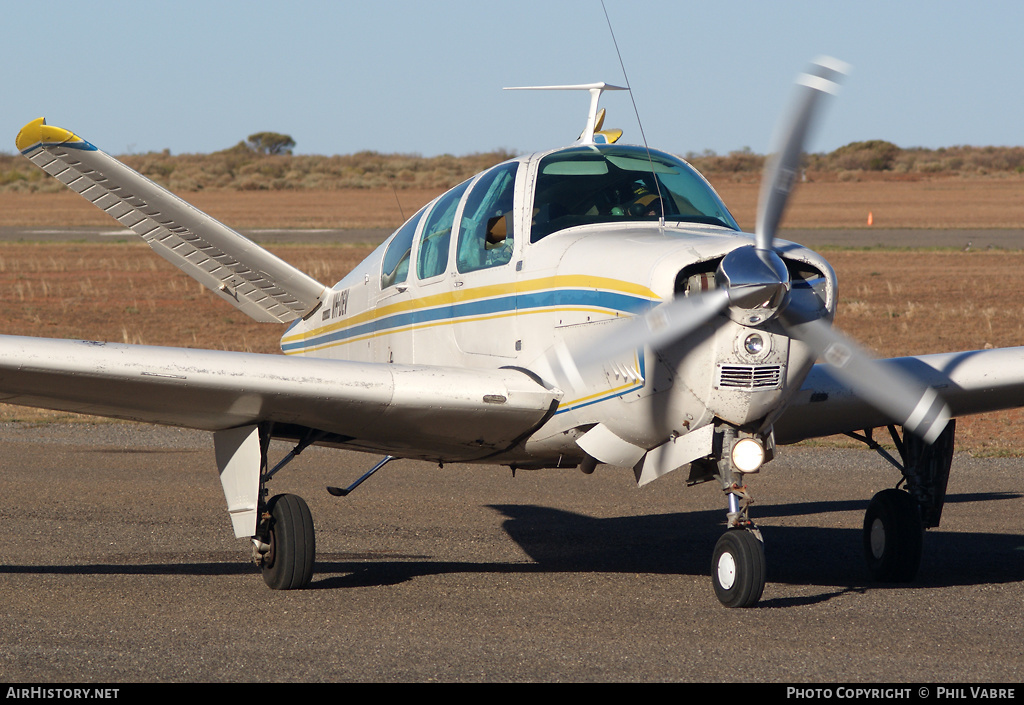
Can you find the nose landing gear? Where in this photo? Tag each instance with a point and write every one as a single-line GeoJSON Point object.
{"type": "Point", "coordinates": [738, 569]}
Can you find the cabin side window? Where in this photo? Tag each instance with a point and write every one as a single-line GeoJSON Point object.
{"type": "Point", "coordinates": [485, 234]}
{"type": "Point", "coordinates": [432, 258]}
{"type": "Point", "coordinates": [395, 269]}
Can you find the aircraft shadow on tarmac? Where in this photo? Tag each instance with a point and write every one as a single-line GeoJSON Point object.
{"type": "Point", "coordinates": [673, 544]}
{"type": "Point", "coordinates": [682, 543]}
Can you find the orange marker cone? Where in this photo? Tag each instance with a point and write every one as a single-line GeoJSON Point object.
{"type": "Point", "coordinates": [871, 218]}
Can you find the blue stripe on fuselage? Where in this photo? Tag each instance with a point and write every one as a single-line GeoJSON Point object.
{"type": "Point", "coordinates": [557, 298]}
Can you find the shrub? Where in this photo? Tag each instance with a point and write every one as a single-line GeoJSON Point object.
{"type": "Point", "coordinates": [873, 155]}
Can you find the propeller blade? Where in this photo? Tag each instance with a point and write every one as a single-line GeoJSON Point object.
{"type": "Point", "coordinates": [780, 169]}
{"type": "Point", "coordinates": [914, 405]}
{"type": "Point", "coordinates": [658, 328]}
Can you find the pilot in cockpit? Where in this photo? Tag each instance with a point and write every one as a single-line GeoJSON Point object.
{"type": "Point", "coordinates": [641, 201]}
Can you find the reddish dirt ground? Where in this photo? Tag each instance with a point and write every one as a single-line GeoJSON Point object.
{"type": "Point", "coordinates": [947, 202]}
{"type": "Point", "coordinates": [351, 208]}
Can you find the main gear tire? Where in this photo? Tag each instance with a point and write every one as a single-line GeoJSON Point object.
{"type": "Point", "coordinates": [893, 537]}
{"type": "Point", "coordinates": [288, 563]}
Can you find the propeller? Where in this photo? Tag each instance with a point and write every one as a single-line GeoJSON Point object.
{"type": "Point", "coordinates": [753, 285]}
{"type": "Point", "coordinates": [821, 79]}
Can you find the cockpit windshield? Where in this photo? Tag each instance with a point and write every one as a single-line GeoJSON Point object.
{"type": "Point", "coordinates": [616, 183]}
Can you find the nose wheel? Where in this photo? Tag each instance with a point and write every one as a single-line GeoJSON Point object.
{"type": "Point", "coordinates": [738, 568]}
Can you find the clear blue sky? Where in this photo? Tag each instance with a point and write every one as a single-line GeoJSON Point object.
{"type": "Point", "coordinates": [426, 77]}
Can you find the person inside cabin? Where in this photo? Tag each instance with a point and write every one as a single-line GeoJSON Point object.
{"type": "Point", "coordinates": [486, 238]}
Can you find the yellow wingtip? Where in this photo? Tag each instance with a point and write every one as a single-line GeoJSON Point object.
{"type": "Point", "coordinates": [38, 131]}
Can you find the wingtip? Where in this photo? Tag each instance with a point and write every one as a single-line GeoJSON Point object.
{"type": "Point", "coordinates": [38, 132]}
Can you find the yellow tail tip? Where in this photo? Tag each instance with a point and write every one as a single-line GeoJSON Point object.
{"type": "Point", "coordinates": [38, 131]}
{"type": "Point", "coordinates": [30, 134]}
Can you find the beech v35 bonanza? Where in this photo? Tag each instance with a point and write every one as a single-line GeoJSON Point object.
{"type": "Point", "coordinates": [595, 304]}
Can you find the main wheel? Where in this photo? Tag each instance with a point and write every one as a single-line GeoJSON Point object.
{"type": "Point", "coordinates": [738, 569]}
{"type": "Point", "coordinates": [893, 536]}
{"type": "Point", "coordinates": [288, 564]}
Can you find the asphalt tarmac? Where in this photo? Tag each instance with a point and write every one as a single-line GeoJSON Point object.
{"type": "Point", "coordinates": [118, 564]}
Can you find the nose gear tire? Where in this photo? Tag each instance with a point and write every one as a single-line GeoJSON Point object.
{"type": "Point", "coordinates": [738, 569]}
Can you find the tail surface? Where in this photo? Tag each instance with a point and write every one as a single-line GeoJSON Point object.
{"type": "Point", "coordinates": [238, 270]}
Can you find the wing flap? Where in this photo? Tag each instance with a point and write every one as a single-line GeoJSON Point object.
{"type": "Point", "coordinates": [405, 410]}
{"type": "Point", "coordinates": [972, 382]}
{"type": "Point", "coordinates": [229, 264]}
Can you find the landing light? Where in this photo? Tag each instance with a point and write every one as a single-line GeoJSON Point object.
{"type": "Point", "coordinates": [754, 344]}
{"type": "Point", "coordinates": [747, 455]}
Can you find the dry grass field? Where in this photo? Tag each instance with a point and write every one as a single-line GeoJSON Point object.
{"type": "Point", "coordinates": [946, 202]}
{"type": "Point", "coordinates": [895, 302]}
{"type": "Point", "coordinates": [952, 202]}
{"type": "Point", "coordinates": [923, 203]}
{"type": "Point", "coordinates": [350, 208]}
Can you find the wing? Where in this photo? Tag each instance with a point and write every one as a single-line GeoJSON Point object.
{"type": "Point", "coordinates": [416, 411]}
{"type": "Point", "coordinates": [239, 271]}
{"type": "Point", "coordinates": [972, 382]}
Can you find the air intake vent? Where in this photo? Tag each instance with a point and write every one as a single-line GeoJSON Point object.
{"type": "Point", "coordinates": [753, 378]}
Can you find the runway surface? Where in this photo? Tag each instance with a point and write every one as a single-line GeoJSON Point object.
{"type": "Point", "coordinates": [118, 564]}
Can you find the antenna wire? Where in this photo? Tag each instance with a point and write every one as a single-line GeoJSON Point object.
{"type": "Point", "coordinates": [643, 136]}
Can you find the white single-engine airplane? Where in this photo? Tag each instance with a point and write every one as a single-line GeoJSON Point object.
{"type": "Point", "coordinates": [586, 305]}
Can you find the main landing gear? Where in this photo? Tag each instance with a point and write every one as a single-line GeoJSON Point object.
{"type": "Point", "coordinates": [893, 536]}
{"type": "Point", "coordinates": [281, 528]}
{"type": "Point", "coordinates": [284, 544]}
{"type": "Point", "coordinates": [895, 520]}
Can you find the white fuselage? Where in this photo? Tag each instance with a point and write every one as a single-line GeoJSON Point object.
{"type": "Point", "coordinates": [569, 288]}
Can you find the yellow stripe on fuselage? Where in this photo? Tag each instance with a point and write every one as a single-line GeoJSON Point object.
{"type": "Point", "coordinates": [446, 322]}
{"type": "Point", "coordinates": [570, 281]}
{"type": "Point", "coordinates": [614, 391]}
